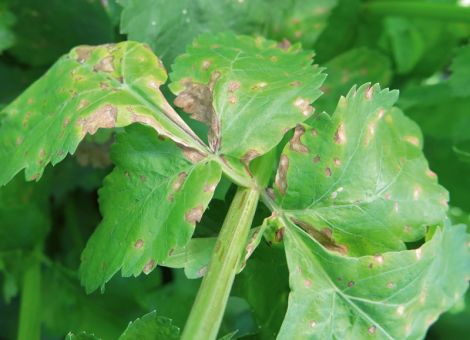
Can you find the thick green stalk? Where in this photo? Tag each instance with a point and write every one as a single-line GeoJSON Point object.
{"type": "Point", "coordinates": [208, 309]}
{"type": "Point", "coordinates": [30, 305]}
{"type": "Point", "coordinates": [419, 9]}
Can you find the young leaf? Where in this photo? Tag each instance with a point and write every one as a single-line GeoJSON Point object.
{"type": "Point", "coordinates": [358, 181]}
{"type": "Point", "coordinates": [93, 87]}
{"type": "Point", "coordinates": [249, 91]}
{"type": "Point", "coordinates": [150, 203]}
{"type": "Point", "coordinates": [396, 295]}
{"type": "Point", "coordinates": [151, 326]}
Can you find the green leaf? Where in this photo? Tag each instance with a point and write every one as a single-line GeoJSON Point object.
{"type": "Point", "coordinates": [249, 91]}
{"type": "Point", "coordinates": [150, 203]}
{"type": "Point", "coordinates": [356, 66]}
{"type": "Point", "coordinates": [151, 327]}
{"type": "Point", "coordinates": [460, 78]}
{"type": "Point", "coordinates": [46, 30]}
{"type": "Point", "coordinates": [94, 87]}
{"type": "Point", "coordinates": [395, 295]}
{"type": "Point", "coordinates": [7, 37]}
{"type": "Point", "coordinates": [358, 181]}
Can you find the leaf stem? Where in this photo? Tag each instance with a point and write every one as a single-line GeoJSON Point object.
{"type": "Point", "coordinates": [208, 309]}
{"type": "Point", "coordinates": [30, 305]}
{"type": "Point", "coordinates": [419, 9]}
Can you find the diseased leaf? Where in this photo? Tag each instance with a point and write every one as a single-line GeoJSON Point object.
{"type": "Point", "coordinates": [358, 182]}
{"type": "Point", "coordinates": [395, 295]}
{"type": "Point", "coordinates": [94, 87]}
{"type": "Point", "coordinates": [249, 91]}
{"type": "Point", "coordinates": [150, 203]}
{"type": "Point", "coordinates": [151, 327]}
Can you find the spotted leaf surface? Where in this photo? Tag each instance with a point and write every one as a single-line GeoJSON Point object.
{"type": "Point", "coordinates": [359, 180]}
{"type": "Point", "coordinates": [395, 295]}
{"type": "Point", "coordinates": [150, 204]}
{"type": "Point", "coordinates": [249, 91]}
{"type": "Point", "coordinates": [90, 88]}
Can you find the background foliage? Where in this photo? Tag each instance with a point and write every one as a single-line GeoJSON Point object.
{"type": "Point", "coordinates": [426, 58]}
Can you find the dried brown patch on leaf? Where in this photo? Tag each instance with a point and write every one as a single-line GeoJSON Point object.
{"type": "Point", "coordinates": [284, 44]}
{"type": "Point", "coordinates": [340, 135]}
{"type": "Point", "coordinates": [83, 53]}
{"type": "Point", "coordinates": [104, 117]}
{"type": "Point", "coordinates": [194, 215]}
{"type": "Point", "coordinates": [105, 65]}
{"type": "Point", "coordinates": [324, 237]}
{"type": "Point", "coordinates": [304, 106]}
{"type": "Point", "coordinates": [248, 157]}
{"type": "Point", "coordinates": [281, 175]}
{"type": "Point", "coordinates": [191, 154]}
{"type": "Point", "coordinates": [295, 143]}
{"type": "Point", "coordinates": [149, 266]}
{"type": "Point", "coordinates": [177, 184]}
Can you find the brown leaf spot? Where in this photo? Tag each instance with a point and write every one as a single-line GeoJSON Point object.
{"type": "Point", "coordinates": [284, 44]}
{"type": "Point", "coordinates": [178, 183]}
{"type": "Point", "coordinates": [194, 215]}
{"type": "Point", "coordinates": [206, 64]}
{"type": "Point", "coordinates": [83, 103]}
{"type": "Point", "coordinates": [210, 187]}
{"type": "Point", "coordinates": [196, 100]}
{"type": "Point", "coordinates": [83, 53]}
{"type": "Point", "coordinates": [232, 99]}
{"type": "Point", "coordinates": [372, 329]}
{"type": "Point", "coordinates": [340, 135]}
{"type": "Point", "coordinates": [259, 86]}
{"type": "Point", "coordinates": [304, 106]}
{"type": "Point", "coordinates": [295, 143]}
{"type": "Point", "coordinates": [327, 172]}
{"type": "Point", "coordinates": [248, 157]}
{"type": "Point", "coordinates": [105, 65]}
{"type": "Point", "coordinates": [295, 83]}
{"type": "Point", "coordinates": [316, 159]}
{"type": "Point", "coordinates": [233, 86]}
{"type": "Point", "coordinates": [202, 271]}
{"type": "Point", "coordinates": [369, 93]}
{"type": "Point", "coordinates": [281, 175]}
{"type": "Point", "coordinates": [104, 117]}
{"type": "Point", "coordinates": [412, 140]}
{"type": "Point", "coordinates": [351, 284]}
{"type": "Point", "coordinates": [324, 237]}
{"type": "Point", "coordinates": [337, 162]}
{"type": "Point", "coordinates": [139, 244]}
{"type": "Point", "coordinates": [190, 154]}
{"type": "Point", "coordinates": [149, 266]}
{"type": "Point", "coordinates": [279, 234]}
{"type": "Point", "coordinates": [314, 132]}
